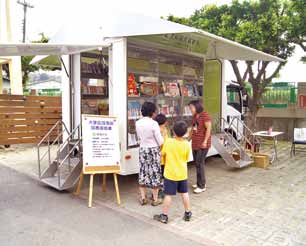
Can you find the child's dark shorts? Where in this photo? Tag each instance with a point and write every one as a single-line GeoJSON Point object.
{"type": "Point", "coordinates": [171, 186]}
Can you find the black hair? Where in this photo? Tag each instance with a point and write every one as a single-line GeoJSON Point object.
{"type": "Point", "coordinates": [198, 105]}
{"type": "Point", "coordinates": [180, 128]}
{"type": "Point", "coordinates": [161, 119]}
{"type": "Point", "coordinates": [148, 109]}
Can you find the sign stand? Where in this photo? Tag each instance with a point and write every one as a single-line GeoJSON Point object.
{"type": "Point", "coordinates": [101, 152]}
{"type": "Point", "coordinates": [90, 195]}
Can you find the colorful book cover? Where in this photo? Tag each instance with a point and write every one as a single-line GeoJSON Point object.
{"type": "Point", "coordinates": [171, 89]}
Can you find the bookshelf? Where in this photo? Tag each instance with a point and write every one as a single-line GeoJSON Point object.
{"type": "Point", "coordinates": [94, 83]}
{"type": "Point", "coordinates": [166, 80]}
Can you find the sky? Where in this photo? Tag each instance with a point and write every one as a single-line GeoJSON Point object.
{"type": "Point", "coordinates": [47, 16]}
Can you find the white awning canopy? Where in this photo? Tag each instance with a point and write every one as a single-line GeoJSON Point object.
{"type": "Point", "coordinates": [112, 24]}
{"type": "Point", "coordinates": [33, 49]}
{"type": "Point", "coordinates": [79, 34]}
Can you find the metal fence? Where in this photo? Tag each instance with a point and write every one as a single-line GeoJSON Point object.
{"type": "Point", "coordinates": [42, 92]}
{"type": "Point", "coordinates": [280, 95]}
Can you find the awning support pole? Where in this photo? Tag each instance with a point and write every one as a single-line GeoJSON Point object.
{"type": "Point", "coordinates": [66, 71]}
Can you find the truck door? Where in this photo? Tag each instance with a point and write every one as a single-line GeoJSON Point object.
{"type": "Point", "coordinates": [212, 87]}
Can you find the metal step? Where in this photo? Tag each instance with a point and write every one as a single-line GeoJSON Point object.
{"type": "Point", "coordinates": [73, 177]}
{"type": "Point", "coordinates": [53, 182]}
{"type": "Point", "coordinates": [50, 171]}
{"type": "Point", "coordinates": [64, 170]}
{"type": "Point", "coordinates": [67, 181]}
{"type": "Point", "coordinates": [68, 146]}
{"type": "Point", "coordinates": [226, 152]}
{"type": "Point", "coordinates": [73, 161]}
{"type": "Point", "coordinates": [243, 163]}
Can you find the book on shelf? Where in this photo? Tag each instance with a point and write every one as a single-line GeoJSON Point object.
{"type": "Point", "coordinates": [200, 90]}
{"type": "Point", "coordinates": [95, 68]}
{"type": "Point", "coordinates": [103, 108]}
{"type": "Point", "coordinates": [134, 109]}
{"type": "Point", "coordinates": [171, 89]}
{"type": "Point", "coordinates": [165, 109]}
{"type": "Point", "coordinates": [187, 111]}
{"type": "Point", "coordinates": [169, 110]}
{"type": "Point", "coordinates": [132, 86]}
{"type": "Point", "coordinates": [93, 90]}
{"type": "Point", "coordinates": [149, 89]}
{"type": "Point", "coordinates": [132, 139]}
{"type": "Point", "coordinates": [188, 90]}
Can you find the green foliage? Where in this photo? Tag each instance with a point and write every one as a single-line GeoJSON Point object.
{"type": "Point", "coordinates": [271, 26]}
{"type": "Point", "coordinates": [27, 68]}
{"type": "Point", "coordinates": [26, 60]}
{"type": "Point", "coordinates": [297, 15]}
{"type": "Point", "coordinates": [259, 24]}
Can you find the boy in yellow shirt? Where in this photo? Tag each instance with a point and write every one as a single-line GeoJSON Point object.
{"type": "Point", "coordinates": [176, 153]}
{"type": "Point", "coordinates": [161, 119]}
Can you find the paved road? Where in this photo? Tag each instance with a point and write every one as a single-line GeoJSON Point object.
{"type": "Point", "coordinates": [32, 215]}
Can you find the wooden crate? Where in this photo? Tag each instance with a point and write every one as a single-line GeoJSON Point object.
{"type": "Point", "coordinates": [261, 160]}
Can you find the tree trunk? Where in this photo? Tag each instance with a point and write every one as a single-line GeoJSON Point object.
{"type": "Point", "coordinates": [254, 103]}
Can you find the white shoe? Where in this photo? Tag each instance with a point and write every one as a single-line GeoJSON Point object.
{"type": "Point", "coordinates": [194, 186]}
{"type": "Point", "coordinates": [199, 190]}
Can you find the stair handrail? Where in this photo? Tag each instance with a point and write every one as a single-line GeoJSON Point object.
{"type": "Point", "coordinates": [68, 141]}
{"type": "Point", "coordinates": [244, 138]}
{"type": "Point", "coordinates": [47, 137]}
{"type": "Point", "coordinates": [224, 122]}
{"type": "Point", "coordinates": [239, 121]}
{"type": "Point", "coordinates": [69, 152]}
{"type": "Point", "coordinates": [242, 134]}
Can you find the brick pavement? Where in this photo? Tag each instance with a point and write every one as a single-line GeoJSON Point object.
{"type": "Point", "coordinates": [244, 207]}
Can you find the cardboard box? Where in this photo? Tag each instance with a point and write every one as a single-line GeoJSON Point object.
{"type": "Point", "coordinates": [261, 161]}
{"type": "Point", "coordinates": [236, 156]}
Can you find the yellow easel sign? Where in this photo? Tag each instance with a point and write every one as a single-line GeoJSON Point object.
{"type": "Point", "coordinates": [101, 150]}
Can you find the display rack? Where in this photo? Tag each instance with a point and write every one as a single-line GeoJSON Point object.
{"type": "Point", "coordinates": [170, 81]}
{"type": "Point", "coordinates": [94, 83]}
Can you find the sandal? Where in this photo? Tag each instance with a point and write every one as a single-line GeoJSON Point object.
{"type": "Point", "coordinates": [157, 202]}
{"type": "Point", "coordinates": [143, 201]}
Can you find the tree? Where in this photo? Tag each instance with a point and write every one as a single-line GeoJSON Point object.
{"type": "Point", "coordinates": [26, 67]}
{"type": "Point", "coordinates": [297, 30]}
{"type": "Point", "coordinates": [260, 24]}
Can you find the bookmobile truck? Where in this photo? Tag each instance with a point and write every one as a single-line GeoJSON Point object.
{"type": "Point", "coordinates": [114, 63]}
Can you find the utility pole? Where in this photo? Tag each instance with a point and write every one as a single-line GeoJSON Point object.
{"type": "Point", "coordinates": [25, 5]}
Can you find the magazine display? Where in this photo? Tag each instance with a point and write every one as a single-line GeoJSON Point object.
{"type": "Point", "coordinates": [148, 89]}
{"type": "Point", "coordinates": [170, 82]}
{"type": "Point", "coordinates": [132, 86]}
{"type": "Point", "coordinates": [171, 89]}
{"type": "Point", "coordinates": [187, 90]}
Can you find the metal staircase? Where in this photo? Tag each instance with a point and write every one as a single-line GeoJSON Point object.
{"type": "Point", "coordinates": [231, 140]}
{"type": "Point", "coordinates": [60, 157]}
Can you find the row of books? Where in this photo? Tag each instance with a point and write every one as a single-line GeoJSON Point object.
{"type": "Point", "coordinates": [169, 89]}
{"type": "Point", "coordinates": [134, 110]}
{"type": "Point", "coordinates": [93, 106]}
{"type": "Point", "coordinates": [95, 90]}
{"type": "Point", "coordinates": [96, 68]}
